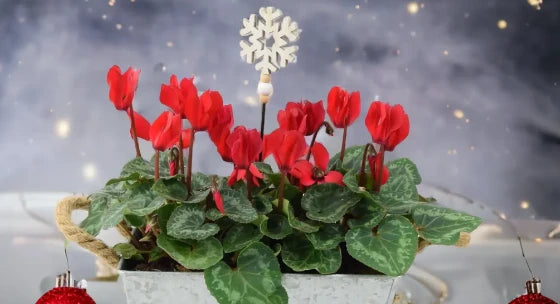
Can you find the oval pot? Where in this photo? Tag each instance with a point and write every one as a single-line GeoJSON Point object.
{"type": "Point", "coordinates": [143, 287]}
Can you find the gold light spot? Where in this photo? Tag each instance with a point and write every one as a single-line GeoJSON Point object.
{"type": "Point", "coordinates": [169, 44]}
{"type": "Point", "coordinates": [337, 49]}
{"type": "Point", "coordinates": [132, 0]}
{"type": "Point", "coordinates": [538, 240]}
{"type": "Point", "coordinates": [62, 128]}
{"type": "Point", "coordinates": [251, 100]}
{"type": "Point", "coordinates": [524, 205]}
{"type": "Point", "coordinates": [413, 7]}
{"type": "Point", "coordinates": [89, 171]}
{"type": "Point", "coordinates": [502, 216]}
{"type": "Point", "coordinates": [452, 151]}
{"type": "Point", "coordinates": [104, 17]}
{"type": "Point", "coordinates": [246, 82]}
{"type": "Point", "coordinates": [459, 114]}
{"type": "Point", "coordinates": [214, 76]}
{"type": "Point", "coordinates": [445, 52]}
{"type": "Point", "coordinates": [502, 24]}
{"type": "Point", "coordinates": [467, 120]}
{"type": "Point", "coordinates": [118, 26]}
{"type": "Point", "coordinates": [535, 3]}
{"type": "Point", "coordinates": [357, 6]}
{"type": "Point", "coordinates": [471, 148]}
{"type": "Point", "coordinates": [349, 16]}
{"type": "Point", "coordinates": [111, 2]}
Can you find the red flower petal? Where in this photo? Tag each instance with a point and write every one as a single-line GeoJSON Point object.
{"type": "Point", "coordinates": [387, 125]}
{"type": "Point", "coordinates": [320, 156]}
{"type": "Point", "coordinates": [285, 146]}
{"type": "Point", "coordinates": [122, 86]}
{"type": "Point", "coordinates": [142, 126]}
{"type": "Point", "coordinates": [343, 109]}
{"type": "Point", "coordinates": [303, 171]}
{"type": "Point", "coordinates": [218, 201]}
{"type": "Point", "coordinates": [334, 177]}
{"type": "Point", "coordinates": [187, 133]}
{"type": "Point", "coordinates": [165, 131]}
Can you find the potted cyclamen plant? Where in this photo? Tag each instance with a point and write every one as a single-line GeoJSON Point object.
{"type": "Point", "coordinates": [249, 235]}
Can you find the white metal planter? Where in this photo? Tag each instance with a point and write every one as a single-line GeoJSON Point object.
{"type": "Point", "coordinates": [144, 287]}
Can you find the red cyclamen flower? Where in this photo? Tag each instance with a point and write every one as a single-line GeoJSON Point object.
{"type": "Point", "coordinates": [122, 86]}
{"type": "Point", "coordinates": [374, 165]}
{"type": "Point", "coordinates": [201, 111]}
{"type": "Point", "coordinates": [286, 147]}
{"type": "Point", "coordinates": [343, 109]}
{"type": "Point", "coordinates": [218, 200]}
{"type": "Point", "coordinates": [165, 131]}
{"type": "Point", "coordinates": [388, 125]}
{"type": "Point", "coordinates": [142, 126]}
{"type": "Point", "coordinates": [176, 96]}
{"type": "Point", "coordinates": [245, 146]}
{"type": "Point", "coordinates": [309, 174]}
{"type": "Point", "coordinates": [219, 130]}
{"type": "Point", "coordinates": [303, 116]}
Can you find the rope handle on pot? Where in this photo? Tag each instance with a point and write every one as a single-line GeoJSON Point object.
{"type": "Point", "coordinates": [73, 232]}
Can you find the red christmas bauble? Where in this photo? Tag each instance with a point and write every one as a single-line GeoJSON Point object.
{"type": "Point", "coordinates": [535, 298]}
{"type": "Point", "coordinates": [66, 295]}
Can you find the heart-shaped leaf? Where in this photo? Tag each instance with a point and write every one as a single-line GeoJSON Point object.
{"type": "Point", "coordinates": [276, 226]}
{"type": "Point", "coordinates": [104, 209]}
{"type": "Point", "coordinates": [328, 237]}
{"type": "Point", "coordinates": [367, 213]}
{"type": "Point", "coordinates": [171, 188]}
{"type": "Point", "coordinates": [404, 166]}
{"type": "Point", "coordinates": [256, 279]}
{"type": "Point", "coordinates": [140, 200]}
{"type": "Point", "coordinates": [299, 254]}
{"type": "Point", "coordinates": [352, 158]}
{"type": "Point", "coordinates": [390, 250]}
{"type": "Point", "coordinates": [240, 236]}
{"type": "Point", "coordinates": [328, 202]}
{"type": "Point", "coordinates": [237, 207]}
{"type": "Point", "coordinates": [132, 177]}
{"type": "Point", "coordinates": [163, 163]}
{"type": "Point", "coordinates": [139, 166]}
{"type": "Point", "coordinates": [263, 204]}
{"type": "Point", "coordinates": [441, 225]}
{"type": "Point", "coordinates": [213, 214]}
{"type": "Point", "coordinates": [303, 225]}
{"type": "Point", "coordinates": [200, 185]}
{"type": "Point", "coordinates": [163, 215]}
{"type": "Point", "coordinates": [187, 222]}
{"type": "Point", "coordinates": [192, 254]}
{"type": "Point", "coordinates": [399, 188]}
{"type": "Point", "coordinates": [127, 251]}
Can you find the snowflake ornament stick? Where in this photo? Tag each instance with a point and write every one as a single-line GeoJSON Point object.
{"type": "Point", "coordinates": [270, 46]}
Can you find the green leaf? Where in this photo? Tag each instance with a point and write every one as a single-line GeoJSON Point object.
{"type": "Point", "coordinates": [139, 166]}
{"type": "Point", "coordinates": [399, 187]}
{"type": "Point", "coordinates": [126, 251]}
{"type": "Point", "coordinates": [140, 200]}
{"type": "Point", "coordinates": [156, 254]}
{"type": "Point", "coordinates": [194, 254]}
{"type": "Point", "coordinates": [352, 158]}
{"type": "Point", "coordinates": [241, 236]}
{"type": "Point", "coordinates": [305, 225]}
{"type": "Point", "coordinates": [256, 279]}
{"type": "Point", "coordinates": [187, 222]}
{"type": "Point", "coordinates": [132, 177]}
{"type": "Point", "coordinates": [163, 163]}
{"type": "Point", "coordinates": [237, 207]}
{"type": "Point", "coordinates": [104, 209]}
{"type": "Point", "coordinates": [299, 254]}
{"type": "Point", "coordinates": [163, 215]}
{"type": "Point", "coordinates": [263, 167]}
{"type": "Point", "coordinates": [262, 203]}
{"type": "Point", "coordinates": [441, 225]}
{"type": "Point", "coordinates": [213, 214]}
{"type": "Point", "coordinates": [390, 250]}
{"type": "Point", "coordinates": [351, 181]}
{"type": "Point", "coordinates": [200, 184]}
{"type": "Point", "coordinates": [404, 207]}
{"type": "Point", "coordinates": [328, 237]}
{"type": "Point", "coordinates": [171, 188]}
{"type": "Point", "coordinates": [328, 202]}
{"type": "Point", "coordinates": [367, 213]}
{"type": "Point", "coordinates": [404, 166]}
{"type": "Point", "coordinates": [276, 227]}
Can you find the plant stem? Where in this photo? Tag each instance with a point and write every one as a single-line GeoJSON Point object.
{"type": "Point", "coordinates": [343, 147]}
{"type": "Point", "coordinates": [329, 131]}
{"type": "Point", "coordinates": [156, 166]}
{"type": "Point", "coordinates": [263, 116]}
{"type": "Point", "coordinates": [281, 190]}
{"type": "Point", "coordinates": [133, 240]}
{"type": "Point", "coordinates": [189, 163]}
{"type": "Point", "coordinates": [249, 178]}
{"type": "Point", "coordinates": [362, 180]}
{"type": "Point", "coordinates": [181, 160]}
{"type": "Point", "coordinates": [133, 127]}
{"type": "Point", "coordinates": [378, 179]}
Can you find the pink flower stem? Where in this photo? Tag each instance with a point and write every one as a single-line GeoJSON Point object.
{"type": "Point", "coordinates": [328, 128]}
{"type": "Point", "coordinates": [343, 147]}
{"type": "Point", "coordinates": [133, 127]}
{"type": "Point", "coordinates": [281, 190]}
{"type": "Point", "coordinates": [378, 179]}
{"type": "Point", "coordinates": [181, 160]}
{"type": "Point", "coordinates": [189, 164]}
{"type": "Point", "coordinates": [156, 166]}
{"type": "Point", "coordinates": [362, 181]}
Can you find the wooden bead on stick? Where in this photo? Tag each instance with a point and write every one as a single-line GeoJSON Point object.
{"type": "Point", "coordinates": [264, 88]}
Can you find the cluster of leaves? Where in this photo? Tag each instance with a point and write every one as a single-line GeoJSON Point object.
{"type": "Point", "coordinates": [243, 250]}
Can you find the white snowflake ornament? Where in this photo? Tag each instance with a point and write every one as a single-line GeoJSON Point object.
{"type": "Point", "coordinates": [271, 37]}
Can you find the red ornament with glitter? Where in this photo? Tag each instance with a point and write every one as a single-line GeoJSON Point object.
{"type": "Point", "coordinates": [66, 291]}
{"type": "Point", "coordinates": [533, 295]}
